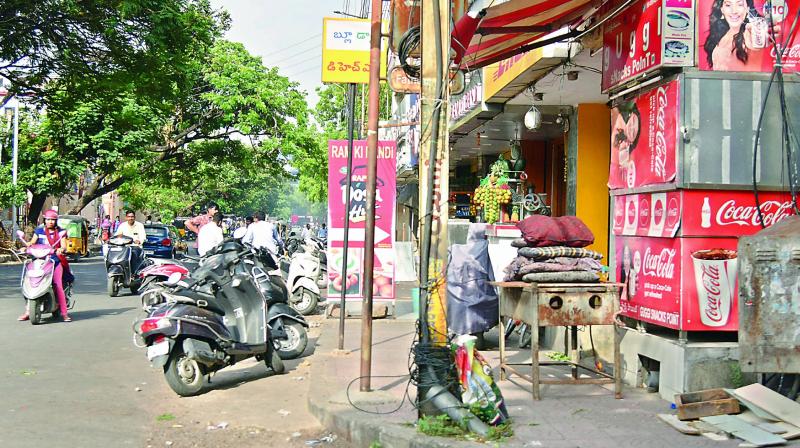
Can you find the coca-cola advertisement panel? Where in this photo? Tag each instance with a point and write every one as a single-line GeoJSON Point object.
{"type": "Point", "coordinates": [643, 138]}
{"type": "Point", "coordinates": [732, 213]}
{"type": "Point", "coordinates": [650, 270]}
{"type": "Point", "coordinates": [679, 283]}
{"type": "Point", "coordinates": [735, 35]}
{"type": "Point", "coordinates": [648, 214]}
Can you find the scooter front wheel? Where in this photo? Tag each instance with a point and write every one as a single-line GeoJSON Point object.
{"type": "Point", "coordinates": [112, 287]}
{"type": "Point", "coordinates": [295, 343]}
{"type": "Point", "coordinates": [184, 376]}
{"type": "Point", "coordinates": [304, 301]}
{"type": "Point", "coordinates": [276, 363]}
{"type": "Point", "coordinates": [35, 312]}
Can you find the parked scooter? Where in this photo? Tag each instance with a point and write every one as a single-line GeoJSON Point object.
{"type": "Point", "coordinates": [158, 270]}
{"type": "Point", "coordinates": [214, 319]}
{"type": "Point", "coordinates": [289, 328]}
{"type": "Point", "coordinates": [123, 261]}
{"type": "Point", "coordinates": [306, 272]}
{"type": "Point", "coordinates": [37, 281]}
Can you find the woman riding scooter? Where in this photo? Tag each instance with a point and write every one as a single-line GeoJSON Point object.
{"type": "Point", "coordinates": [49, 235]}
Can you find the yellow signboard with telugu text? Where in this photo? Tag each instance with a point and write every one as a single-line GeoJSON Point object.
{"type": "Point", "coordinates": [345, 50]}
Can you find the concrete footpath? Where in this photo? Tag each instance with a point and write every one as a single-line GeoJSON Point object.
{"type": "Point", "coordinates": [567, 416]}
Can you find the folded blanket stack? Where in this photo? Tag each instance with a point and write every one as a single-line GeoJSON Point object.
{"type": "Point", "coordinates": [553, 251]}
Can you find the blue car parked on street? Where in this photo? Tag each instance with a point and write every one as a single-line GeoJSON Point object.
{"type": "Point", "coordinates": [160, 242]}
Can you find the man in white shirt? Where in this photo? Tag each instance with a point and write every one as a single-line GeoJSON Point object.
{"type": "Point", "coordinates": [262, 234]}
{"type": "Point", "coordinates": [210, 235]}
{"type": "Point", "coordinates": [306, 233]}
{"type": "Point", "coordinates": [131, 228]}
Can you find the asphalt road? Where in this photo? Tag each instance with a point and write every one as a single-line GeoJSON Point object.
{"type": "Point", "coordinates": [85, 384]}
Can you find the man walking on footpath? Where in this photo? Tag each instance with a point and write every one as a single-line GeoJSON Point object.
{"type": "Point", "coordinates": [199, 221]}
{"type": "Point", "coordinates": [210, 235]}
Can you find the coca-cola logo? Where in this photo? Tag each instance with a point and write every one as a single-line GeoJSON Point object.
{"type": "Point", "coordinates": [792, 51]}
{"type": "Point", "coordinates": [673, 212]}
{"type": "Point", "coordinates": [631, 212]}
{"type": "Point", "coordinates": [661, 265]}
{"type": "Point", "coordinates": [712, 285]}
{"type": "Point", "coordinates": [660, 162]}
{"type": "Point", "coordinates": [658, 212]}
{"type": "Point", "coordinates": [644, 214]}
{"type": "Point", "coordinates": [619, 213]}
{"type": "Point", "coordinates": [747, 215]}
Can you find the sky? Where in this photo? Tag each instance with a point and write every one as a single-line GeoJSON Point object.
{"type": "Point", "coordinates": [285, 34]}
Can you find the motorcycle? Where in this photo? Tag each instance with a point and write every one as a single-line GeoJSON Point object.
{"type": "Point", "coordinates": [288, 326]}
{"type": "Point", "coordinates": [37, 281]}
{"type": "Point", "coordinates": [123, 261]}
{"type": "Point", "coordinates": [213, 319]}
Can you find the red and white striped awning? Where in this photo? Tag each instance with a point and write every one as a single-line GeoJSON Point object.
{"type": "Point", "coordinates": [508, 26]}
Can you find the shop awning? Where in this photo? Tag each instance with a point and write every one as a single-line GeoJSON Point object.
{"type": "Point", "coordinates": [505, 28]}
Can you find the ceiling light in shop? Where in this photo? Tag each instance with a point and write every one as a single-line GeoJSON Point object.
{"type": "Point", "coordinates": [533, 118]}
{"type": "Point", "coordinates": [573, 75]}
{"type": "Point", "coordinates": [539, 96]}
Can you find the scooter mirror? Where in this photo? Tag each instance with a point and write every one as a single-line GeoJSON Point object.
{"type": "Point", "coordinates": [21, 235]}
{"type": "Point", "coordinates": [174, 278]}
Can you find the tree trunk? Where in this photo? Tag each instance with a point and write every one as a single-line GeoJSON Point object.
{"type": "Point", "coordinates": [37, 202]}
{"type": "Point", "coordinates": [95, 191]}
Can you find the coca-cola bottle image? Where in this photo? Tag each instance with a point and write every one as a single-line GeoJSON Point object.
{"type": "Point", "coordinates": [705, 214]}
{"type": "Point", "coordinates": [715, 274]}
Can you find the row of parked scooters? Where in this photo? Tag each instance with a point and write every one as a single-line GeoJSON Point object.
{"type": "Point", "coordinates": [231, 304]}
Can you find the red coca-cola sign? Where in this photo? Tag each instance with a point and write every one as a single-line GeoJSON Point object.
{"type": "Point", "coordinates": [643, 139]}
{"type": "Point", "coordinates": [732, 213]}
{"type": "Point", "coordinates": [657, 214]}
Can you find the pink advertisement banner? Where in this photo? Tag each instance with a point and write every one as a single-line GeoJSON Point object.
{"type": "Point", "coordinates": [356, 212]}
{"type": "Point", "coordinates": [734, 35]}
{"type": "Point", "coordinates": [643, 138]}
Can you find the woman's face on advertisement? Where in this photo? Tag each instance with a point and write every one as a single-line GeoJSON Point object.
{"type": "Point", "coordinates": [734, 12]}
{"type": "Point", "coordinates": [632, 127]}
{"type": "Point", "coordinates": [626, 258]}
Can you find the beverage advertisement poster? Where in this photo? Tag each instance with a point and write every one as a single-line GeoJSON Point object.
{"type": "Point", "coordinates": [679, 283]}
{"type": "Point", "coordinates": [734, 35]}
{"type": "Point", "coordinates": [648, 214]}
{"type": "Point", "coordinates": [644, 135]}
{"type": "Point", "coordinates": [732, 213]}
{"type": "Point", "coordinates": [356, 212]}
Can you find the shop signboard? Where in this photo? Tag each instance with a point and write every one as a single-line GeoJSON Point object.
{"type": "Point", "coordinates": [346, 50]}
{"type": "Point", "coordinates": [719, 25]}
{"type": "Point", "coordinates": [644, 136]}
{"type": "Point", "coordinates": [469, 100]}
{"type": "Point", "coordinates": [681, 283]}
{"type": "Point", "coordinates": [338, 211]}
{"type": "Point", "coordinates": [647, 35]}
{"type": "Point", "coordinates": [711, 213]}
{"type": "Point", "coordinates": [500, 74]}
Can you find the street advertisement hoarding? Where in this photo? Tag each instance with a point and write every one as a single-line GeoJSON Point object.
{"type": "Point", "coordinates": [734, 35]}
{"type": "Point", "coordinates": [346, 50]}
{"type": "Point", "coordinates": [710, 213]}
{"type": "Point", "coordinates": [680, 283]}
{"type": "Point", "coordinates": [644, 134]}
{"type": "Point", "coordinates": [647, 35]}
{"type": "Point", "coordinates": [338, 211]}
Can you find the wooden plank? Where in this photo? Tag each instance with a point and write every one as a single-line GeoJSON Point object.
{"type": "Point", "coordinates": [672, 420]}
{"type": "Point", "coordinates": [743, 430]}
{"type": "Point", "coordinates": [772, 402]}
{"type": "Point", "coordinates": [791, 432]}
{"type": "Point", "coordinates": [757, 410]}
{"type": "Point", "coordinates": [704, 403]}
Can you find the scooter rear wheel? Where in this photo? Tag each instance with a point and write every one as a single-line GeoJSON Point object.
{"type": "Point", "coordinates": [184, 376]}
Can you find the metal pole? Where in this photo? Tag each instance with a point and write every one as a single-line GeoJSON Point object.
{"type": "Point", "coordinates": [14, 164]}
{"type": "Point", "coordinates": [372, 172]}
{"type": "Point", "coordinates": [351, 115]}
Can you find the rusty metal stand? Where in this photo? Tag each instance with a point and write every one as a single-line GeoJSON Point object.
{"type": "Point", "coordinates": [571, 305]}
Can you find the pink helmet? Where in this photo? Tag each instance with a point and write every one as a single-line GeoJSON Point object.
{"type": "Point", "coordinates": [50, 214]}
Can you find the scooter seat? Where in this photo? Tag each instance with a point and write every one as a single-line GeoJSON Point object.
{"type": "Point", "coordinates": [207, 298]}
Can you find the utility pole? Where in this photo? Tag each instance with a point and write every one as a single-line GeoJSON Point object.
{"type": "Point", "coordinates": [14, 163]}
{"type": "Point", "coordinates": [351, 115]}
{"type": "Point", "coordinates": [434, 168]}
{"type": "Point", "coordinates": [372, 173]}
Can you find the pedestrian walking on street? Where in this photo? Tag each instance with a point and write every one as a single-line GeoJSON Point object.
{"type": "Point", "coordinates": [210, 235]}
{"type": "Point", "coordinates": [263, 234]}
{"type": "Point", "coordinates": [196, 223]}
